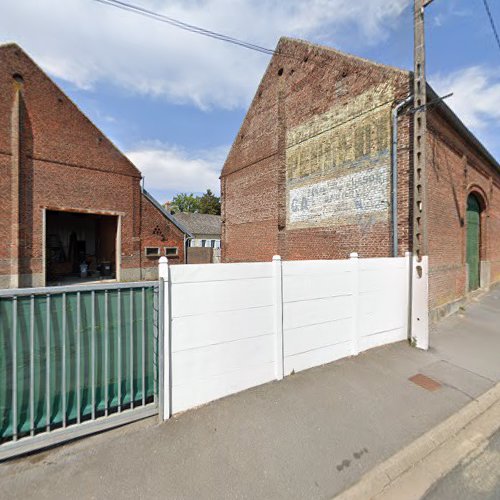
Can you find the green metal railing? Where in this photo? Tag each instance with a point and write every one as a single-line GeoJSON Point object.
{"type": "Point", "coordinates": [69, 355]}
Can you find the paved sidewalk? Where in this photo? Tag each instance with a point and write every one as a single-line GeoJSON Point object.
{"type": "Point", "coordinates": [309, 436]}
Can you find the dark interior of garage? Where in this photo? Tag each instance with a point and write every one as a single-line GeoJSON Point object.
{"type": "Point", "coordinates": [79, 247]}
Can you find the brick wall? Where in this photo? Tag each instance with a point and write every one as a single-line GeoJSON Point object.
{"type": "Point", "coordinates": [249, 209]}
{"type": "Point", "coordinates": [312, 161]}
{"type": "Point", "coordinates": [308, 175]}
{"type": "Point", "coordinates": [65, 162]}
{"type": "Point", "coordinates": [158, 231]}
{"type": "Point", "coordinates": [455, 169]}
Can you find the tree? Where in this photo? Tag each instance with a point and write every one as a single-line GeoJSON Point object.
{"type": "Point", "coordinates": [184, 202]}
{"type": "Point", "coordinates": [209, 203]}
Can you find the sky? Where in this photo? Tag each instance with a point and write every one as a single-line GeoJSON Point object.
{"type": "Point", "coordinates": [173, 101]}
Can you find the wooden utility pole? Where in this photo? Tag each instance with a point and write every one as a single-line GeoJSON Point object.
{"type": "Point", "coordinates": [419, 314]}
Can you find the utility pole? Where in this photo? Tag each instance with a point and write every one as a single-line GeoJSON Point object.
{"type": "Point", "coordinates": [419, 315]}
{"type": "Point", "coordinates": [419, 134]}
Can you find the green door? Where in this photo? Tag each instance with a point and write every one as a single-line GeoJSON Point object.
{"type": "Point", "coordinates": [473, 240]}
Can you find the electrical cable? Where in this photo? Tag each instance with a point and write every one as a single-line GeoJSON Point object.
{"type": "Point", "coordinates": [185, 26]}
{"type": "Point", "coordinates": [492, 22]}
{"type": "Point", "coordinates": [120, 4]}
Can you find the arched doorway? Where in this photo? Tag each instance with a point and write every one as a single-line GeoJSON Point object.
{"type": "Point", "coordinates": [473, 245]}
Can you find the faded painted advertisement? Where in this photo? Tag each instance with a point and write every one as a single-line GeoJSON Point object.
{"type": "Point", "coordinates": [341, 199]}
{"type": "Point", "coordinates": [338, 163]}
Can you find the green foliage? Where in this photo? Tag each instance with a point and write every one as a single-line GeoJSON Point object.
{"type": "Point", "coordinates": [207, 203]}
{"type": "Point", "coordinates": [184, 202]}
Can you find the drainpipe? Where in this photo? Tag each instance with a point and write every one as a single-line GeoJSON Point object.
{"type": "Point", "coordinates": [186, 239]}
{"type": "Point", "coordinates": [395, 114]}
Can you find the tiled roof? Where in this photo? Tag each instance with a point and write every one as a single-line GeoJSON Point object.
{"type": "Point", "coordinates": [199, 223]}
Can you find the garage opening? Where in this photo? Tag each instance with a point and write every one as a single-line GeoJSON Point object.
{"type": "Point", "coordinates": [79, 247]}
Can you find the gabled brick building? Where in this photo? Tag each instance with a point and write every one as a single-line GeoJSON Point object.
{"type": "Point", "coordinates": [68, 195]}
{"type": "Point", "coordinates": [310, 174]}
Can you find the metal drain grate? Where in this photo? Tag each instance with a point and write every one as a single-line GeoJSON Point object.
{"type": "Point", "coordinates": [425, 382]}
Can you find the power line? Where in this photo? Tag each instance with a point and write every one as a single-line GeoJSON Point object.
{"type": "Point", "coordinates": [185, 26]}
{"type": "Point", "coordinates": [492, 22]}
{"type": "Point", "coordinates": [123, 5]}
{"type": "Point", "coordinates": [120, 4]}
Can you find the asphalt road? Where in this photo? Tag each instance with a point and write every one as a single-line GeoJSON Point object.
{"type": "Point", "coordinates": [478, 477]}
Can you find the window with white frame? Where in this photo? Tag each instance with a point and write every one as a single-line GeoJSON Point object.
{"type": "Point", "coordinates": [152, 251]}
{"type": "Point", "coordinates": [171, 251]}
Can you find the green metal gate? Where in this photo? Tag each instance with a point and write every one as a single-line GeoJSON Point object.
{"type": "Point", "coordinates": [74, 360]}
{"type": "Point", "coordinates": [473, 241]}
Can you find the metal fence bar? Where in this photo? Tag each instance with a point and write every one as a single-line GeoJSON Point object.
{"type": "Point", "coordinates": [45, 439]}
{"type": "Point", "coordinates": [119, 348]}
{"type": "Point", "coordinates": [63, 382]}
{"type": "Point", "coordinates": [78, 355]}
{"type": "Point", "coordinates": [53, 290]}
{"type": "Point", "coordinates": [131, 349]}
{"type": "Point", "coordinates": [24, 408]}
{"type": "Point", "coordinates": [14, 369]}
{"type": "Point", "coordinates": [106, 354]}
{"type": "Point", "coordinates": [143, 298]}
{"type": "Point", "coordinates": [47, 368]}
{"type": "Point", "coordinates": [32, 366]}
{"type": "Point", "coordinates": [92, 356]}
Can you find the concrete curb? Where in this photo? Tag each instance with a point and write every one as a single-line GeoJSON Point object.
{"type": "Point", "coordinates": [382, 480]}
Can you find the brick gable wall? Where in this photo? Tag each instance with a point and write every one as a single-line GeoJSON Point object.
{"type": "Point", "coordinates": [302, 95]}
{"type": "Point", "coordinates": [65, 162]}
{"type": "Point", "coordinates": [158, 231]}
{"type": "Point", "coordinates": [303, 104]}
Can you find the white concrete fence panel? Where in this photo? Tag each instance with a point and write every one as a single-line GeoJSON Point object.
{"type": "Point", "coordinates": [229, 327]}
{"type": "Point", "coordinates": [317, 315]}
{"type": "Point", "coordinates": [222, 331]}
{"type": "Point", "coordinates": [383, 301]}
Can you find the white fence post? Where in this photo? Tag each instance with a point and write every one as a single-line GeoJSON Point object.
{"type": "Point", "coordinates": [408, 266]}
{"type": "Point", "coordinates": [355, 303]}
{"type": "Point", "coordinates": [164, 274]}
{"type": "Point", "coordinates": [420, 303]}
{"type": "Point", "coordinates": [278, 315]}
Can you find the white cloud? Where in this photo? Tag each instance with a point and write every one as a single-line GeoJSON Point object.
{"type": "Point", "coordinates": [438, 20]}
{"type": "Point", "coordinates": [169, 170]}
{"type": "Point", "coordinates": [85, 42]}
{"type": "Point", "coordinates": [476, 95]}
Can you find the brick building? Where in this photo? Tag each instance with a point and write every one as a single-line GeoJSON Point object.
{"type": "Point", "coordinates": [310, 174]}
{"type": "Point", "coordinates": [68, 195]}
